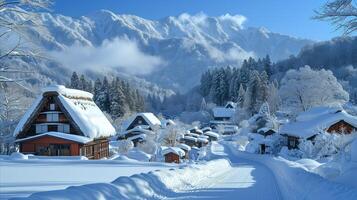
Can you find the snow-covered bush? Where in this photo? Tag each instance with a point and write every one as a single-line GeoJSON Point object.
{"type": "Point", "coordinates": [124, 146]}
{"type": "Point", "coordinates": [325, 144]}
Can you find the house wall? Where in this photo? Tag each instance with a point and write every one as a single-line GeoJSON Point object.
{"type": "Point", "coordinates": [31, 145]}
{"type": "Point", "coordinates": [172, 158]}
{"type": "Point", "coordinates": [40, 117]}
{"type": "Point", "coordinates": [95, 150]}
{"type": "Point", "coordinates": [341, 127]}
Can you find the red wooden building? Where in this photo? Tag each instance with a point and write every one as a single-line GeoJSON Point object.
{"type": "Point", "coordinates": [64, 122]}
{"type": "Point", "coordinates": [308, 124]}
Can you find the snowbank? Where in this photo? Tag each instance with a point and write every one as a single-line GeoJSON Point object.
{"type": "Point", "coordinates": [18, 156]}
{"type": "Point", "coordinates": [139, 155]}
{"type": "Point", "coordinates": [152, 185]}
{"type": "Point", "coordinates": [297, 183]}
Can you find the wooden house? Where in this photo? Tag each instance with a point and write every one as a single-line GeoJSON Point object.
{"type": "Point", "coordinates": [64, 122]}
{"type": "Point", "coordinates": [172, 154]}
{"type": "Point", "coordinates": [139, 126]}
{"type": "Point", "coordinates": [315, 120]}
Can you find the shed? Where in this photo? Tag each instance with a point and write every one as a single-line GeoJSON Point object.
{"type": "Point", "coordinates": [172, 154]}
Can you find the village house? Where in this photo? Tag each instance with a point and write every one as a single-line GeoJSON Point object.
{"type": "Point", "coordinates": [64, 122]}
{"type": "Point", "coordinates": [222, 117]}
{"type": "Point", "coordinates": [139, 127]}
{"type": "Point", "coordinates": [310, 123]}
{"type": "Point", "coordinates": [172, 154]}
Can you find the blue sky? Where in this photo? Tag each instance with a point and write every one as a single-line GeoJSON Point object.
{"type": "Point", "coordinates": [292, 17]}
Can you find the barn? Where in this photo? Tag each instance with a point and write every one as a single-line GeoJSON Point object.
{"type": "Point", "coordinates": [64, 122]}
{"type": "Point", "coordinates": [308, 124]}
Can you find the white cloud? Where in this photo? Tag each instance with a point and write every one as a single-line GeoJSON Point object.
{"type": "Point", "coordinates": [122, 54]}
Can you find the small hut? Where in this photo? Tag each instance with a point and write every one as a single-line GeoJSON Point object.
{"type": "Point", "coordinates": [172, 154]}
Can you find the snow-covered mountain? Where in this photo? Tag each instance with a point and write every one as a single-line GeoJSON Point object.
{"type": "Point", "coordinates": [173, 51]}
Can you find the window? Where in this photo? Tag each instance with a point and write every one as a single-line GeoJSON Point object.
{"type": "Point", "coordinates": [40, 128]}
{"type": "Point", "coordinates": [52, 117]}
{"type": "Point", "coordinates": [52, 106]}
{"type": "Point", "coordinates": [64, 128]}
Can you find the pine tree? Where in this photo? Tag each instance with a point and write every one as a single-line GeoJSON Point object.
{"type": "Point", "coordinates": [118, 105]}
{"type": "Point", "coordinates": [268, 66]}
{"type": "Point", "coordinates": [203, 105]}
{"type": "Point", "coordinates": [82, 83]}
{"type": "Point", "coordinates": [75, 84]}
{"type": "Point", "coordinates": [241, 94]}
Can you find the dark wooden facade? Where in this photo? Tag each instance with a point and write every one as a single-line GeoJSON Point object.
{"type": "Point", "coordinates": [51, 116]}
{"type": "Point", "coordinates": [341, 127]}
{"type": "Point", "coordinates": [172, 158]}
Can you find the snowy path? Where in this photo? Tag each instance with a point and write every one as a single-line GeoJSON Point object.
{"type": "Point", "coordinates": [246, 180]}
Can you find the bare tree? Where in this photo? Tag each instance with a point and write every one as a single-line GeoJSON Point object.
{"type": "Point", "coordinates": [341, 13]}
{"type": "Point", "coordinates": [17, 18]}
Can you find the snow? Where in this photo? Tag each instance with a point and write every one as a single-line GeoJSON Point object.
{"type": "Point", "coordinates": [20, 178]}
{"type": "Point", "coordinates": [354, 151]}
{"type": "Point", "coordinates": [140, 136]}
{"type": "Point", "coordinates": [90, 119]}
{"type": "Point", "coordinates": [223, 112]}
{"type": "Point", "coordinates": [211, 134]}
{"type": "Point", "coordinates": [139, 155]}
{"type": "Point", "coordinates": [205, 129]}
{"type": "Point", "coordinates": [184, 147]}
{"type": "Point", "coordinates": [71, 137]}
{"type": "Point", "coordinates": [310, 125]}
{"type": "Point", "coordinates": [18, 156]}
{"type": "Point", "coordinates": [79, 104]}
{"type": "Point", "coordinates": [150, 118]}
{"type": "Point", "coordinates": [190, 138]}
{"type": "Point", "coordinates": [176, 150]}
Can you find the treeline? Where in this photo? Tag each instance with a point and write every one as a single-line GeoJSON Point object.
{"type": "Point", "coordinates": [116, 97]}
{"type": "Point", "coordinates": [250, 86]}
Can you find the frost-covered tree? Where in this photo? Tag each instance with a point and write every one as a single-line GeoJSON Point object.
{"type": "Point", "coordinates": [171, 135]}
{"type": "Point", "coordinates": [341, 13]}
{"type": "Point", "coordinates": [14, 38]}
{"type": "Point", "coordinates": [305, 88]}
{"type": "Point", "coordinates": [13, 103]}
{"type": "Point", "coordinates": [124, 146]}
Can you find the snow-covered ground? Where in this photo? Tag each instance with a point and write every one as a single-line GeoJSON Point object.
{"type": "Point", "coordinates": [23, 177]}
{"type": "Point", "coordinates": [227, 174]}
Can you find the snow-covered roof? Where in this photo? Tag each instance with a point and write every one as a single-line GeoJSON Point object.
{"type": "Point", "coordinates": [203, 140]}
{"type": "Point", "coordinates": [309, 126]}
{"type": "Point", "coordinates": [316, 111]}
{"type": "Point", "coordinates": [184, 147]}
{"type": "Point", "coordinates": [176, 150]}
{"type": "Point", "coordinates": [150, 118]}
{"type": "Point", "coordinates": [211, 134]}
{"type": "Point", "coordinates": [82, 109]}
{"type": "Point", "coordinates": [139, 129]}
{"type": "Point", "coordinates": [141, 136]}
{"type": "Point", "coordinates": [66, 136]}
{"type": "Point", "coordinates": [265, 129]}
{"type": "Point", "coordinates": [192, 134]}
{"type": "Point", "coordinates": [223, 112]}
{"type": "Point", "coordinates": [205, 129]}
{"type": "Point", "coordinates": [190, 138]}
{"type": "Point", "coordinates": [167, 122]}
{"type": "Point", "coordinates": [231, 103]}
{"type": "Point", "coordinates": [196, 130]}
